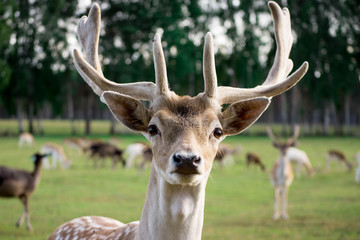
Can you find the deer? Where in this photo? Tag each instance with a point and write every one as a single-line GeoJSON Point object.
{"type": "Point", "coordinates": [137, 150]}
{"type": "Point", "coordinates": [357, 172]}
{"type": "Point", "coordinates": [338, 156]}
{"type": "Point", "coordinates": [57, 154]}
{"type": "Point", "coordinates": [26, 138]}
{"type": "Point", "coordinates": [282, 175]}
{"type": "Point", "coordinates": [102, 150]}
{"type": "Point", "coordinates": [78, 144]}
{"type": "Point", "coordinates": [225, 153]}
{"type": "Point", "coordinates": [21, 184]}
{"type": "Point", "coordinates": [253, 158]}
{"type": "Point", "coordinates": [184, 131]}
{"type": "Point", "coordinates": [300, 157]}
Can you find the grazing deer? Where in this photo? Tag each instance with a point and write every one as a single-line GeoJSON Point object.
{"type": "Point", "coordinates": [184, 132]}
{"type": "Point", "coordinates": [137, 150]}
{"type": "Point", "coordinates": [357, 173]}
{"type": "Point", "coordinates": [26, 138]}
{"type": "Point", "coordinates": [57, 154]}
{"type": "Point", "coordinates": [300, 157]}
{"type": "Point", "coordinates": [253, 158]}
{"type": "Point", "coordinates": [225, 153]}
{"type": "Point", "coordinates": [103, 150]}
{"type": "Point", "coordinates": [282, 174]}
{"type": "Point", "coordinates": [21, 184]}
{"type": "Point", "coordinates": [338, 156]}
{"type": "Point", "coordinates": [78, 144]}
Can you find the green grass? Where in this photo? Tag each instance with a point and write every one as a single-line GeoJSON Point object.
{"type": "Point", "coordinates": [239, 201]}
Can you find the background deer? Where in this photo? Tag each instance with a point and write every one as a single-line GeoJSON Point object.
{"type": "Point", "coordinates": [282, 174]}
{"type": "Point", "coordinates": [300, 158]}
{"type": "Point", "coordinates": [26, 138]}
{"type": "Point", "coordinates": [21, 184]}
{"type": "Point", "coordinates": [57, 154]}
{"type": "Point", "coordinates": [138, 150]}
{"type": "Point", "coordinates": [103, 150]}
{"type": "Point", "coordinates": [253, 158]}
{"type": "Point", "coordinates": [338, 156]}
{"type": "Point", "coordinates": [225, 154]}
{"type": "Point", "coordinates": [184, 132]}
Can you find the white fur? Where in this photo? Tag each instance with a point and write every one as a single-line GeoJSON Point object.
{"type": "Point", "coordinates": [57, 154]}
{"type": "Point", "coordinates": [301, 158]}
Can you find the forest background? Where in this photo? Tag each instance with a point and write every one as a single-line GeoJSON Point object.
{"type": "Point", "coordinates": [39, 82]}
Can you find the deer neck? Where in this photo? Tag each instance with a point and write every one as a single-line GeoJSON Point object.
{"type": "Point", "coordinates": [36, 172]}
{"type": "Point", "coordinates": [172, 211]}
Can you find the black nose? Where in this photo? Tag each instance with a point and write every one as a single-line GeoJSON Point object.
{"type": "Point", "coordinates": [186, 164]}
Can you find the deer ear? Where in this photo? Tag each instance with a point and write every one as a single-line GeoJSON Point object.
{"type": "Point", "coordinates": [127, 110]}
{"type": "Point", "coordinates": [240, 115]}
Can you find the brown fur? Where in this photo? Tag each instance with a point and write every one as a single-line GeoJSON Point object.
{"type": "Point", "coordinates": [104, 150]}
{"type": "Point", "coordinates": [21, 184]}
{"type": "Point", "coordinates": [339, 156]}
{"type": "Point", "coordinates": [253, 158]}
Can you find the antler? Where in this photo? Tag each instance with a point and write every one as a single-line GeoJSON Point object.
{"type": "Point", "coordinates": [210, 79]}
{"type": "Point", "coordinates": [88, 31]}
{"type": "Point", "coordinates": [276, 81]}
{"type": "Point", "coordinates": [295, 134]}
{"type": "Point", "coordinates": [271, 134]}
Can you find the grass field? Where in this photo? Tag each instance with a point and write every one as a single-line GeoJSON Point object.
{"type": "Point", "coordinates": [239, 201]}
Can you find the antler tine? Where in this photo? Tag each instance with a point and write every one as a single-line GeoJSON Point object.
{"type": "Point", "coordinates": [274, 83]}
{"type": "Point", "coordinates": [271, 134]}
{"type": "Point", "coordinates": [88, 32]}
{"type": "Point", "coordinates": [162, 87]}
{"type": "Point", "coordinates": [210, 79]}
{"type": "Point", "coordinates": [295, 134]}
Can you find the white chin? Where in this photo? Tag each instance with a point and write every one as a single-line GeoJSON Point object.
{"type": "Point", "coordinates": [184, 179]}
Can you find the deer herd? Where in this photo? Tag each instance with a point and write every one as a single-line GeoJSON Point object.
{"type": "Point", "coordinates": [185, 135]}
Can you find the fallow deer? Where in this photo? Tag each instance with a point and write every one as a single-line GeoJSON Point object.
{"type": "Point", "coordinates": [78, 144]}
{"type": "Point", "coordinates": [338, 156]}
{"type": "Point", "coordinates": [300, 158]}
{"type": "Point", "coordinates": [184, 132]}
{"type": "Point", "coordinates": [253, 158]}
{"type": "Point", "coordinates": [103, 150]}
{"type": "Point", "coordinates": [26, 138]}
{"type": "Point", "coordinates": [138, 150]}
{"type": "Point", "coordinates": [357, 173]}
{"type": "Point", "coordinates": [225, 154]}
{"type": "Point", "coordinates": [58, 156]}
{"type": "Point", "coordinates": [282, 174]}
{"type": "Point", "coordinates": [21, 184]}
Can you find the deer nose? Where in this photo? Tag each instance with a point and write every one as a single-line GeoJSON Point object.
{"type": "Point", "coordinates": [186, 163]}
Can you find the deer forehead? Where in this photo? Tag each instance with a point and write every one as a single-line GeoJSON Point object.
{"type": "Point", "coordinates": [186, 114]}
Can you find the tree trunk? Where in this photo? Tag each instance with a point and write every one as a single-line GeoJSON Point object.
{"type": "Point", "coordinates": [326, 120]}
{"type": "Point", "coordinates": [31, 116]}
{"type": "Point", "coordinates": [347, 114]}
{"type": "Point", "coordinates": [20, 116]}
{"type": "Point", "coordinates": [70, 111]}
{"type": "Point", "coordinates": [295, 99]}
{"type": "Point", "coordinates": [284, 118]}
{"type": "Point", "coordinates": [88, 114]}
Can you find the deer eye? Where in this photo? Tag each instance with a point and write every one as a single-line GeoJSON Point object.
{"type": "Point", "coordinates": [153, 130]}
{"type": "Point", "coordinates": [218, 133]}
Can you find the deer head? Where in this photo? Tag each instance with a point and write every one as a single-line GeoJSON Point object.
{"type": "Point", "coordinates": [284, 145]}
{"type": "Point", "coordinates": [185, 131]}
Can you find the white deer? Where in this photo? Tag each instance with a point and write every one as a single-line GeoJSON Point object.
{"type": "Point", "coordinates": [58, 156]}
{"type": "Point", "coordinates": [184, 132]}
{"type": "Point", "coordinates": [300, 158]}
{"type": "Point", "coordinates": [26, 138]}
{"type": "Point", "coordinates": [282, 174]}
